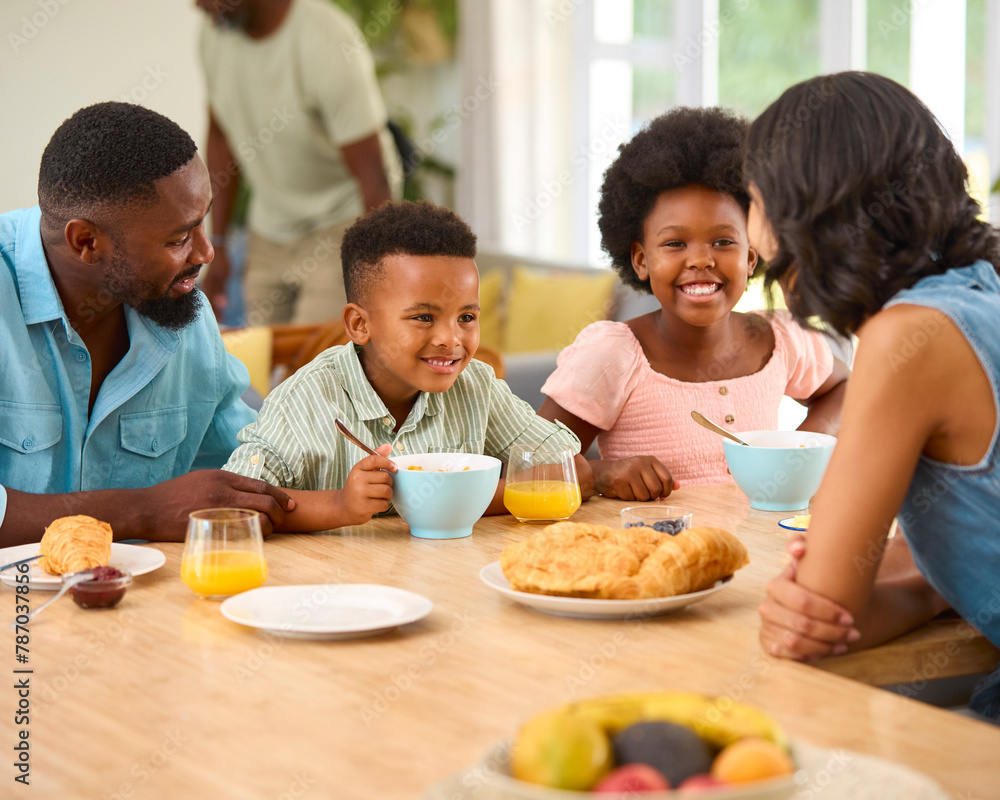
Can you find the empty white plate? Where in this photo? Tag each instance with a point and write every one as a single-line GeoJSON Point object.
{"type": "Point", "coordinates": [326, 611]}
{"type": "Point", "coordinates": [137, 560]}
{"type": "Point", "coordinates": [492, 575]}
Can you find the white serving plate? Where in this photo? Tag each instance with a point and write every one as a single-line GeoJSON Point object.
{"type": "Point", "coordinates": [586, 608]}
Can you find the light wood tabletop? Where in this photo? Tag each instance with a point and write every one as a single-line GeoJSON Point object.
{"type": "Point", "coordinates": [163, 697]}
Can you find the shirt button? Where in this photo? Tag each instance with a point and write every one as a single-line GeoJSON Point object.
{"type": "Point", "coordinates": [26, 444]}
{"type": "Point", "coordinates": [153, 445]}
{"type": "Point", "coordinates": [400, 446]}
{"type": "Point", "coordinates": [730, 419]}
{"type": "Point", "coordinates": [81, 356]}
{"type": "Point", "coordinates": [723, 390]}
{"type": "Point", "coordinates": [387, 420]}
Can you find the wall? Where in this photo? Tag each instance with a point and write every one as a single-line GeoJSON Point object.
{"type": "Point", "coordinates": [57, 56]}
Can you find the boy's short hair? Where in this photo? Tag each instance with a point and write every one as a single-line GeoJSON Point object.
{"type": "Point", "coordinates": [685, 146]}
{"type": "Point", "coordinates": [109, 155]}
{"type": "Point", "coordinates": [416, 229]}
{"type": "Point", "coordinates": [865, 193]}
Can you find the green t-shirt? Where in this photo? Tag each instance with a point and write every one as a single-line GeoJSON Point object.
{"type": "Point", "coordinates": [287, 103]}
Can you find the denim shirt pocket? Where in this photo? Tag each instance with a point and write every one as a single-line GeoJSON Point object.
{"type": "Point", "coordinates": [149, 446]}
{"type": "Point", "coordinates": [30, 428]}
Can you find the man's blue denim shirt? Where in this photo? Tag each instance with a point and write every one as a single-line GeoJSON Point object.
{"type": "Point", "coordinates": [172, 404]}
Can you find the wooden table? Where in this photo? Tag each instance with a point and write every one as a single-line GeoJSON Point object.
{"type": "Point", "coordinates": [945, 647]}
{"type": "Point", "coordinates": [164, 698]}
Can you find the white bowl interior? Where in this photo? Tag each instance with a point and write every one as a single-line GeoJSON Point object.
{"type": "Point", "coordinates": [445, 462]}
{"type": "Point", "coordinates": [773, 439]}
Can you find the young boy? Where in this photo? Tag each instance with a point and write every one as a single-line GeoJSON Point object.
{"type": "Point", "coordinates": [407, 382]}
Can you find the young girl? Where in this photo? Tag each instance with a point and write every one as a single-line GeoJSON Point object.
{"type": "Point", "coordinates": [673, 218]}
{"type": "Point", "coordinates": [860, 207]}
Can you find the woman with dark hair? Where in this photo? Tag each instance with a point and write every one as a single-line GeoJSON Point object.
{"type": "Point", "coordinates": [859, 204]}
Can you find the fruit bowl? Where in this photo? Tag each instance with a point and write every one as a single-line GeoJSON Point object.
{"type": "Point", "coordinates": [491, 780]}
{"type": "Point", "coordinates": [642, 744]}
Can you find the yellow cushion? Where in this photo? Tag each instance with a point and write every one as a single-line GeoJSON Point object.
{"type": "Point", "coordinates": [491, 318]}
{"type": "Point", "coordinates": [252, 346]}
{"type": "Point", "coordinates": [546, 309]}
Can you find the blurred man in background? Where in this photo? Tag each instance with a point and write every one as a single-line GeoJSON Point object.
{"type": "Point", "coordinates": [295, 110]}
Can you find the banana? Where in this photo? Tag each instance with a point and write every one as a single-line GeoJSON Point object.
{"type": "Point", "coordinates": [728, 722]}
{"type": "Point", "coordinates": [720, 721]}
{"type": "Point", "coordinates": [612, 713]}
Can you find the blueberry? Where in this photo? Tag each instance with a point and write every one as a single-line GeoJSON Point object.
{"type": "Point", "coordinates": [671, 526]}
{"type": "Point", "coordinates": [635, 525]}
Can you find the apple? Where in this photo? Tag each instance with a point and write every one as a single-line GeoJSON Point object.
{"type": "Point", "coordinates": [633, 778]}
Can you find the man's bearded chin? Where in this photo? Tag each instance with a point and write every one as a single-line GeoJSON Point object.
{"type": "Point", "coordinates": [170, 312]}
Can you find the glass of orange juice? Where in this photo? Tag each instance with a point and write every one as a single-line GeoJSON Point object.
{"type": "Point", "coordinates": [223, 552]}
{"type": "Point", "coordinates": [541, 482]}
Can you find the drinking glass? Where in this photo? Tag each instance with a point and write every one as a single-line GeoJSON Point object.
{"type": "Point", "coordinates": [223, 552]}
{"type": "Point", "coordinates": [541, 482]}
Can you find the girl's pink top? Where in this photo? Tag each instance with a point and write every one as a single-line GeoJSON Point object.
{"type": "Point", "coordinates": [604, 379]}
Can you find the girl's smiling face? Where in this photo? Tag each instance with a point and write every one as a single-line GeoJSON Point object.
{"type": "Point", "coordinates": [696, 253]}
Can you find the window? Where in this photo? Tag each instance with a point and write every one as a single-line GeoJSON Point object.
{"type": "Point", "coordinates": [579, 77]}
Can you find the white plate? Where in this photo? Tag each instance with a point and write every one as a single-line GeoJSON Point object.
{"type": "Point", "coordinates": [137, 560]}
{"type": "Point", "coordinates": [788, 524]}
{"type": "Point", "coordinates": [326, 611]}
{"type": "Point", "coordinates": [587, 608]}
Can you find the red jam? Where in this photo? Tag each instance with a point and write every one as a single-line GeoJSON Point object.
{"type": "Point", "coordinates": [104, 590]}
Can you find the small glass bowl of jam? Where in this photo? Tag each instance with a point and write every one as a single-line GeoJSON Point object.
{"type": "Point", "coordinates": [104, 590]}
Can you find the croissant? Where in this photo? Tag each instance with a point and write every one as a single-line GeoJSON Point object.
{"type": "Point", "coordinates": [74, 543]}
{"type": "Point", "coordinates": [580, 560]}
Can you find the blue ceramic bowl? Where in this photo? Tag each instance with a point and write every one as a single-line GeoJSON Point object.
{"type": "Point", "coordinates": [781, 470]}
{"type": "Point", "coordinates": [440, 504]}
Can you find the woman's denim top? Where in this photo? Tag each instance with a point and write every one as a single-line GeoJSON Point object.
{"type": "Point", "coordinates": [951, 514]}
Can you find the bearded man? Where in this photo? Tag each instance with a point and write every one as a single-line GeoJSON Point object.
{"type": "Point", "coordinates": [116, 382]}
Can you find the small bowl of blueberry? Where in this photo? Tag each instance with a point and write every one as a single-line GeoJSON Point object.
{"type": "Point", "coordinates": [665, 519]}
{"type": "Point", "coordinates": [104, 590]}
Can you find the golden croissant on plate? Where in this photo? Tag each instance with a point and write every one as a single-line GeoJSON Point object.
{"type": "Point", "coordinates": [574, 559]}
{"type": "Point", "coordinates": [75, 543]}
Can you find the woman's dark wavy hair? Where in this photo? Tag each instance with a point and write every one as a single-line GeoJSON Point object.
{"type": "Point", "coordinates": [865, 193]}
{"type": "Point", "coordinates": [685, 146]}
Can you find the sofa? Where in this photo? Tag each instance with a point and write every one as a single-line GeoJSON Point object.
{"type": "Point", "coordinates": [533, 308]}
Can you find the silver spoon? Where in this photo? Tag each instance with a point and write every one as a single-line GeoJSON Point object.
{"type": "Point", "coordinates": [68, 582]}
{"type": "Point", "coordinates": [702, 420]}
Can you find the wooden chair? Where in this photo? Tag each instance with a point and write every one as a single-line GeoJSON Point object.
{"type": "Point", "coordinates": [295, 346]}
{"type": "Point", "coordinates": [492, 357]}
